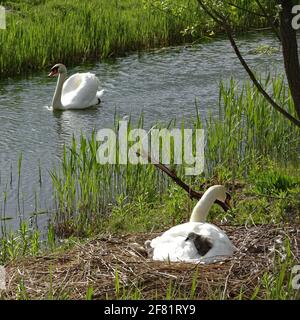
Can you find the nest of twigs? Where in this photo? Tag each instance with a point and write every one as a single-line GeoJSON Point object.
{"type": "Point", "coordinates": [118, 267]}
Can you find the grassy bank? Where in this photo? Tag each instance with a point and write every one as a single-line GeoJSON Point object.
{"type": "Point", "coordinates": [248, 146]}
{"type": "Point", "coordinates": [250, 149]}
{"type": "Point", "coordinates": [41, 33]}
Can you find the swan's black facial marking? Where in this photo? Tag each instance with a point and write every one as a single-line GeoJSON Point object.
{"type": "Point", "coordinates": [202, 244]}
{"type": "Point", "coordinates": [54, 71]}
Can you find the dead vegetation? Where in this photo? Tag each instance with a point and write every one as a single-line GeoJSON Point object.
{"type": "Point", "coordinates": [117, 267]}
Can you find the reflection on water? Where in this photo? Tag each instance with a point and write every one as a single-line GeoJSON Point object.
{"type": "Point", "coordinates": [162, 84]}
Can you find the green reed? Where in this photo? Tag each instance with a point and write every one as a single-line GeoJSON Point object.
{"type": "Point", "coordinates": [246, 140]}
{"type": "Point", "coordinates": [86, 190]}
{"type": "Point", "coordinates": [249, 129]}
{"type": "Point", "coordinates": [246, 134]}
{"type": "Point", "coordinates": [41, 33]}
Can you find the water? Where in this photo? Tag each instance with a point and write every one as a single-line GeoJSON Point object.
{"type": "Point", "coordinates": [162, 84]}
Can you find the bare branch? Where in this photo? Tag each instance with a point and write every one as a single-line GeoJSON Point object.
{"type": "Point", "coordinates": [211, 14]}
{"type": "Point", "coordinates": [270, 19]}
{"type": "Point", "coordinates": [192, 193]}
{"type": "Point", "coordinates": [246, 10]}
{"type": "Point", "coordinates": [258, 85]}
{"type": "Point", "coordinates": [290, 51]}
{"type": "Point", "coordinates": [225, 25]}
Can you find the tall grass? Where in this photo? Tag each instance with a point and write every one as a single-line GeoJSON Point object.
{"type": "Point", "coordinates": [86, 190]}
{"type": "Point", "coordinates": [240, 141]}
{"type": "Point", "coordinates": [22, 242]}
{"type": "Point", "coordinates": [277, 284]}
{"type": "Point", "coordinates": [248, 129]}
{"type": "Point", "coordinates": [246, 134]}
{"type": "Point", "coordinates": [40, 33]}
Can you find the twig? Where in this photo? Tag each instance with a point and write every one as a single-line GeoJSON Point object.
{"type": "Point", "coordinates": [269, 19]}
{"type": "Point", "coordinates": [192, 193]}
{"type": "Point", "coordinates": [226, 281]}
{"type": "Point", "coordinates": [246, 10]}
{"type": "Point", "coordinates": [224, 24]}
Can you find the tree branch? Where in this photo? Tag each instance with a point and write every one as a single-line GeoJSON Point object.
{"type": "Point", "coordinates": [290, 51]}
{"type": "Point", "coordinates": [211, 14]}
{"type": "Point", "coordinates": [224, 24]}
{"type": "Point", "coordinates": [246, 10]}
{"type": "Point", "coordinates": [258, 85]}
{"type": "Point", "coordinates": [271, 22]}
{"type": "Point", "coordinates": [192, 193]}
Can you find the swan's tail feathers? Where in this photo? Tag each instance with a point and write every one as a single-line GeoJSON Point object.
{"type": "Point", "coordinates": [100, 93]}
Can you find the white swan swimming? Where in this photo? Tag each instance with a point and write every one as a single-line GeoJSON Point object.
{"type": "Point", "coordinates": [196, 240]}
{"type": "Point", "coordinates": [80, 91]}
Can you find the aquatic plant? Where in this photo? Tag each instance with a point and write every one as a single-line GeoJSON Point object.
{"type": "Point", "coordinates": [246, 134]}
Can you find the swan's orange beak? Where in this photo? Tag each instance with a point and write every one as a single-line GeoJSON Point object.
{"type": "Point", "coordinates": [53, 73]}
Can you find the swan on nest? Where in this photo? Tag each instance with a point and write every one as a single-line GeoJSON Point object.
{"type": "Point", "coordinates": [195, 241]}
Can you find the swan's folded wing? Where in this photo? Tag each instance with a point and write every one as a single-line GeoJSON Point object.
{"type": "Point", "coordinates": [79, 91]}
{"type": "Point", "coordinates": [172, 244]}
{"type": "Point", "coordinates": [169, 248]}
{"type": "Point", "coordinates": [72, 83]}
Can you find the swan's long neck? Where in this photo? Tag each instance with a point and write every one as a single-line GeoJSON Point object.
{"type": "Point", "coordinates": [56, 101]}
{"type": "Point", "coordinates": [203, 206]}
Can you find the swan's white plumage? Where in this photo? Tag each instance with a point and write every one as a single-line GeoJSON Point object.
{"type": "Point", "coordinates": [172, 244]}
{"type": "Point", "coordinates": [80, 91]}
{"type": "Point", "coordinates": [175, 244]}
